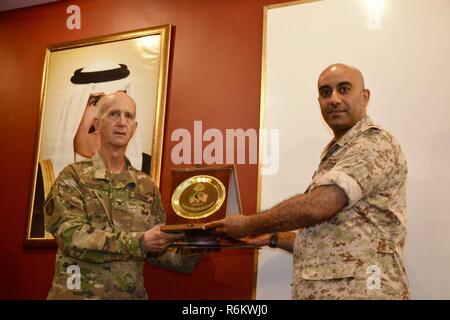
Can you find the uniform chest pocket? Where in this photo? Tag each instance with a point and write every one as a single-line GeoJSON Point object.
{"type": "Point", "coordinates": [99, 220]}
{"type": "Point", "coordinates": [140, 202]}
{"type": "Point", "coordinates": [140, 205]}
{"type": "Point", "coordinates": [96, 211]}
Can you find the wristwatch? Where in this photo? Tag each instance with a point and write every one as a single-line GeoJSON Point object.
{"type": "Point", "coordinates": [273, 243]}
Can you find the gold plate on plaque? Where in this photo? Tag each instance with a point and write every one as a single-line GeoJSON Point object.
{"type": "Point", "coordinates": [198, 197]}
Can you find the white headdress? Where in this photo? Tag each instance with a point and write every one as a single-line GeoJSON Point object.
{"type": "Point", "coordinates": [103, 76]}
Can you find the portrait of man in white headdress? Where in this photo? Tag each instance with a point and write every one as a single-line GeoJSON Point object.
{"type": "Point", "coordinates": [75, 81]}
{"type": "Point", "coordinates": [75, 137]}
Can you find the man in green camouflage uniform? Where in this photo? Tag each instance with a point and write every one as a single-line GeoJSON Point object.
{"type": "Point", "coordinates": [351, 221]}
{"type": "Point", "coordinates": [105, 216]}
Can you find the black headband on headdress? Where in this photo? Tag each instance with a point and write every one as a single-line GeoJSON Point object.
{"type": "Point", "coordinates": [80, 77]}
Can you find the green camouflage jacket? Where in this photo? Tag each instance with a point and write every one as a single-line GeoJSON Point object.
{"type": "Point", "coordinates": [97, 219]}
{"type": "Point", "coordinates": [357, 253]}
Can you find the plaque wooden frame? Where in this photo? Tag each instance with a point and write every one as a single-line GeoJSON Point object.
{"type": "Point", "coordinates": [195, 235]}
{"type": "Point", "coordinates": [232, 203]}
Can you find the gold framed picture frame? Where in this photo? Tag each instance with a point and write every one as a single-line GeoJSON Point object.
{"type": "Point", "coordinates": [75, 76]}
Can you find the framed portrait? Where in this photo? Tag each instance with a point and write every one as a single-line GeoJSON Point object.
{"type": "Point", "coordinates": [76, 75]}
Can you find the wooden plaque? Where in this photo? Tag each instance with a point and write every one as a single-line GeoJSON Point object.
{"type": "Point", "coordinates": [200, 195]}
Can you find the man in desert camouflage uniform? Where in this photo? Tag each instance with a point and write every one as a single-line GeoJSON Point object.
{"type": "Point", "coordinates": [105, 216]}
{"type": "Point", "coordinates": [351, 221]}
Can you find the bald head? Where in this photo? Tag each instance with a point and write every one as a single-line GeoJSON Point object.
{"type": "Point", "coordinates": [343, 68]}
{"type": "Point", "coordinates": [114, 99]}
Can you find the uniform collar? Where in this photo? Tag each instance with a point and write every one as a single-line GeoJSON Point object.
{"type": "Point", "coordinates": [360, 127]}
{"type": "Point", "coordinates": [101, 172]}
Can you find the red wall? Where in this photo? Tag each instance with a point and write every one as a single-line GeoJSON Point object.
{"type": "Point", "coordinates": [214, 77]}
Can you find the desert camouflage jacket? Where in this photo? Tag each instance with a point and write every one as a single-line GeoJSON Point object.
{"type": "Point", "coordinates": [357, 253]}
{"type": "Point", "coordinates": [97, 219]}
